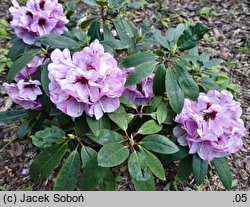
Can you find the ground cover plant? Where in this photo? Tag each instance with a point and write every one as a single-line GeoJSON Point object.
{"type": "Point", "coordinates": [103, 92]}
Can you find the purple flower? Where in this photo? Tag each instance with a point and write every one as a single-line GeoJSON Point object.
{"type": "Point", "coordinates": [211, 126]}
{"type": "Point", "coordinates": [28, 72]}
{"type": "Point", "coordinates": [141, 93]}
{"type": "Point", "coordinates": [24, 93]}
{"type": "Point", "coordinates": [26, 90]}
{"type": "Point", "coordinates": [37, 18]}
{"type": "Point", "coordinates": [88, 81]}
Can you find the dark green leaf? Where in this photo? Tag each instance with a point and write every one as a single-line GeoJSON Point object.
{"type": "Point", "coordinates": [8, 117]}
{"type": "Point", "coordinates": [46, 162]}
{"type": "Point", "coordinates": [161, 39]}
{"type": "Point", "coordinates": [184, 168]}
{"type": "Point", "coordinates": [181, 154]}
{"type": "Point", "coordinates": [174, 91]}
{"type": "Point", "coordinates": [87, 154]}
{"type": "Point", "coordinates": [45, 79]}
{"type": "Point", "coordinates": [208, 84]}
{"type": "Point", "coordinates": [94, 31]}
{"type": "Point", "coordinates": [159, 143]}
{"type": "Point", "coordinates": [140, 73]}
{"type": "Point", "coordinates": [87, 22]}
{"type": "Point", "coordinates": [154, 104]}
{"type": "Point", "coordinates": [191, 35]}
{"type": "Point", "coordinates": [162, 112]}
{"type": "Point", "coordinates": [186, 81]}
{"type": "Point", "coordinates": [115, 44]}
{"type": "Point", "coordinates": [25, 127]}
{"type": "Point", "coordinates": [124, 33]}
{"type": "Point", "coordinates": [20, 63]}
{"type": "Point", "coordinates": [68, 174]}
{"type": "Point", "coordinates": [90, 2]}
{"type": "Point", "coordinates": [150, 127]}
{"type": "Point", "coordinates": [154, 164]}
{"type": "Point", "coordinates": [48, 137]}
{"type": "Point", "coordinates": [58, 41]}
{"type": "Point", "coordinates": [139, 172]}
{"type": "Point", "coordinates": [95, 177]}
{"type": "Point", "coordinates": [159, 87]}
{"type": "Point", "coordinates": [18, 48]}
{"type": "Point", "coordinates": [81, 125]}
{"type": "Point", "coordinates": [223, 171]}
{"type": "Point", "coordinates": [106, 136]}
{"type": "Point", "coordinates": [108, 36]}
{"type": "Point", "coordinates": [138, 59]}
{"type": "Point", "coordinates": [116, 4]}
{"type": "Point", "coordinates": [112, 154]}
{"type": "Point", "coordinates": [119, 119]}
{"type": "Point", "coordinates": [200, 168]}
{"type": "Point", "coordinates": [212, 63]}
{"type": "Point", "coordinates": [126, 102]}
{"type": "Point", "coordinates": [95, 125]}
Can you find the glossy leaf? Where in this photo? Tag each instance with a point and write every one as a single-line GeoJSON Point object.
{"type": "Point", "coordinates": [153, 104]}
{"type": "Point", "coordinates": [162, 112]}
{"type": "Point", "coordinates": [186, 82]}
{"type": "Point", "coordinates": [18, 48]}
{"type": "Point", "coordinates": [119, 119]}
{"type": "Point", "coordinates": [43, 165]}
{"type": "Point", "coordinates": [58, 41]}
{"type": "Point", "coordinates": [106, 136]}
{"type": "Point", "coordinates": [223, 171]}
{"type": "Point", "coordinates": [47, 137]}
{"type": "Point", "coordinates": [162, 40]}
{"type": "Point", "coordinates": [81, 125]}
{"type": "Point", "coordinates": [20, 63]}
{"type": "Point", "coordinates": [95, 125]}
{"type": "Point", "coordinates": [138, 59]}
{"type": "Point", "coordinates": [159, 143]}
{"type": "Point", "coordinates": [154, 164]}
{"type": "Point", "coordinates": [8, 117]}
{"type": "Point", "coordinates": [116, 4]}
{"type": "Point", "coordinates": [87, 154]}
{"type": "Point", "coordinates": [94, 31]}
{"type": "Point", "coordinates": [150, 127]}
{"type": "Point", "coordinates": [90, 2]}
{"type": "Point", "coordinates": [126, 102]}
{"type": "Point", "coordinates": [200, 168]}
{"type": "Point", "coordinates": [45, 79]}
{"type": "Point", "coordinates": [174, 91]}
{"type": "Point", "coordinates": [140, 73]}
{"type": "Point", "coordinates": [191, 35]}
{"type": "Point", "coordinates": [112, 154]}
{"type": "Point", "coordinates": [115, 44]}
{"type": "Point", "coordinates": [95, 177]}
{"type": "Point", "coordinates": [139, 172]}
{"type": "Point", "coordinates": [159, 87]}
{"type": "Point", "coordinates": [184, 168]}
{"type": "Point", "coordinates": [68, 174]}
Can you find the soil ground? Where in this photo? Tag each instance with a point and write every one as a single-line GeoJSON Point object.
{"type": "Point", "coordinates": [229, 39]}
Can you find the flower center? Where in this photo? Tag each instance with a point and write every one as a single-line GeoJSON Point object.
{"type": "Point", "coordinates": [42, 21]}
{"type": "Point", "coordinates": [41, 4]}
{"type": "Point", "coordinates": [29, 14]}
{"type": "Point", "coordinates": [210, 115]}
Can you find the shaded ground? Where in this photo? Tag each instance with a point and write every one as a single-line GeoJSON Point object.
{"type": "Point", "coordinates": [229, 33]}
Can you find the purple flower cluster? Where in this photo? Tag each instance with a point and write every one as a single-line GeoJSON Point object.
{"type": "Point", "coordinates": [140, 93]}
{"type": "Point", "coordinates": [26, 90]}
{"type": "Point", "coordinates": [211, 126]}
{"type": "Point", "coordinates": [37, 18]}
{"type": "Point", "coordinates": [88, 81]}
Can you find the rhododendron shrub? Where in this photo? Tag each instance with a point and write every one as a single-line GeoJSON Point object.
{"type": "Point", "coordinates": [103, 92]}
